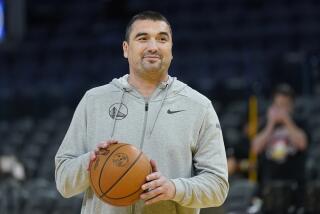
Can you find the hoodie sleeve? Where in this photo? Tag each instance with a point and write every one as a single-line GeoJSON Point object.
{"type": "Point", "coordinates": [72, 158]}
{"type": "Point", "coordinates": [209, 187]}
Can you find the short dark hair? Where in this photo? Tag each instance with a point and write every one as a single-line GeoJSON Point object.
{"type": "Point", "coordinates": [145, 15]}
{"type": "Point", "coordinates": [285, 90]}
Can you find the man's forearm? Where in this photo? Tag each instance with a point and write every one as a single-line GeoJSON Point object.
{"type": "Point", "coordinates": [261, 139]}
{"type": "Point", "coordinates": [71, 175]}
{"type": "Point", "coordinates": [296, 135]}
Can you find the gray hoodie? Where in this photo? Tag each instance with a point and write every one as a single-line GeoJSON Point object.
{"type": "Point", "coordinates": [177, 127]}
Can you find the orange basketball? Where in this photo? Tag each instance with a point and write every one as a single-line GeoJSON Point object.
{"type": "Point", "coordinates": [117, 174]}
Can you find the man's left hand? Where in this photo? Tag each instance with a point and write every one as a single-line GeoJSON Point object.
{"type": "Point", "coordinates": [158, 187]}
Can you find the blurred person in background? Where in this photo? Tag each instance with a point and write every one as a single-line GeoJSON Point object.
{"type": "Point", "coordinates": [282, 143]}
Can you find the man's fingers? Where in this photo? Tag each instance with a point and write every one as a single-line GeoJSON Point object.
{"type": "Point", "coordinates": [157, 189]}
{"type": "Point", "coordinates": [105, 144]}
{"type": "Point", "coordinates": [102, 145]}
{"type": "Point", "coordinates": [154, 166]}
{"type": "Point", "coordinates": [153, 176]}
{"type": "Point", "coordinates": [162, 189]}
{"type": "Point", "coordinates": [158, 181]}
{"type": "Point", "coordinates": [112, 141]}
{"type": "Point", "coordinates": [93, 156]}
{"type": "Point", "coordinates": [151, 194]}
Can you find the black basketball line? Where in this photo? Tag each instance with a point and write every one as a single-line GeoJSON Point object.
{"type": "Point", "coordinates": [92, 186]}
{"type": "Point", "coordinates": [106, 162]}
{"type": "Point", "coordinates": [115, 183]}
{"type": "Point", "coordinates": [100, 174]}
{"type": "Point", "coordinates": [129, 194]}
{"type": "Point", "coordinates": [123, 196]}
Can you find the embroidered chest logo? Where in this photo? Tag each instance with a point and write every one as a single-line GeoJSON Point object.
{"type": "Point", "coordinates": [117, 111]}
{"type": "Point", "coordinates": [120, 159]}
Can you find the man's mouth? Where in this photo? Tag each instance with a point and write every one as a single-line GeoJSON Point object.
{"type": "Point", "coordinates": [151, 57]}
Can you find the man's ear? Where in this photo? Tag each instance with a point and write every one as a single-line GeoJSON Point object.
{"type": "Point", "coordinates": [125, 47]}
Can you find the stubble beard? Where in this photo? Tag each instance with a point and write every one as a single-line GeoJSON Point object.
{"type": "Point", "coordinates": [155, 67]}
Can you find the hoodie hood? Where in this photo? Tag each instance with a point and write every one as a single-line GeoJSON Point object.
{"type": "Point", "coordinates": [174, 87]}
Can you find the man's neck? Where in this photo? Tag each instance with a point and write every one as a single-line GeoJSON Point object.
{"type": "Point", "coordinates": [146, 86]}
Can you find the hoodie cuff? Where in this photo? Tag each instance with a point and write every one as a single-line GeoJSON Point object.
{"type": "Point", "coordinates": [180, 190]}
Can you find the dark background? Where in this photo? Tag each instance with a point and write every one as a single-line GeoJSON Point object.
{"type": "Point", "coordinates": [226, 49]}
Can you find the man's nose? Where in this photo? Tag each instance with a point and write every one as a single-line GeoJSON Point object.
{"type": "Point", "coordinates": [152, 45]}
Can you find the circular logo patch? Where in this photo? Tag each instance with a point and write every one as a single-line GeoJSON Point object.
{"type": "Point", "coordinates": [120, 159]}
{"type": "Point", "coordinates": [117, 111]}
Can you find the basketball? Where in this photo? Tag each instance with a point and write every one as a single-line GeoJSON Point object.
{"type": "Point", "coordinates": [117, 174]}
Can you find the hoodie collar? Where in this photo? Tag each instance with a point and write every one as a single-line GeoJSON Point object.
{"type": "Point", "coordinates": [169, 87]}
{"type": "Point", "coordinates": [123, 84]}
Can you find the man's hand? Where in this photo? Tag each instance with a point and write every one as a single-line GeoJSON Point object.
{"type": "Point", "coordinates": [102, 145]}
{"type": "Point", "coordinates": [272, 115]}
{"type": "Point", "coordinates": [158, 187]}
{"type": "Point", "coordinates": [284, 117]}
{"type": "Point", "coordinates": [277, 115]}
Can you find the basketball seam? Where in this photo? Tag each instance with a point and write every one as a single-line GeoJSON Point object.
{"type": "Point", "coordinates": [122, 196]}
{"type": "Point", "coordinates": [94, 187]}
{"type": "Point", "coordinates": [129, 194]}
{"type": "Point", "coordinates": [121, 176]}
{"type": "Point", "coordinates": [106, 163]}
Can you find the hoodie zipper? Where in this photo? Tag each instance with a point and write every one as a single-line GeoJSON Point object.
{"type": "Point", "coordinates": [146, 110]}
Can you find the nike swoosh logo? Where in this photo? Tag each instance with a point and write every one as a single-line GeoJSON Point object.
{"type": "Point", "coordinates": [172, 112]}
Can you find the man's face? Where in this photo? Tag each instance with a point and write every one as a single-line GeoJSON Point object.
{"type": "Point", "coordinates": [285, 103]}
{"type": "Point", "coordinates": [149, 48]}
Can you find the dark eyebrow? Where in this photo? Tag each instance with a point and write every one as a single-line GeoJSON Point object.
{"type": "Point", "coordinates": [164, 33]}
{"type": "Point", "coordinates": [140, 34]}
{"type": "Point", "coordinates": [144, 34]}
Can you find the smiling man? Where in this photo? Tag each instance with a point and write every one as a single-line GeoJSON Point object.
{"type": "Point", "coordinates": [173, 124]}
{"type": "Point", "coordinates": [148, 47]}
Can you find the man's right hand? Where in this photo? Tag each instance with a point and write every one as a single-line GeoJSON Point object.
{"type": "Point", "coordinates": [102, 145]}
{"type": "Point", "coordinates": [273, 115]}
{"type": "Point", "coordinates": [277, 115]}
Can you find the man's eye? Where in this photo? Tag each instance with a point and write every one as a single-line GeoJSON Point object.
{"type": "Point", "coordinates": [142, 39]}
{"type": "Point", "coordinates": [163, 39]}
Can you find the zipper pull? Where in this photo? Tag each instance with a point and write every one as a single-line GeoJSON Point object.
{"type": "Point", "coordinates": [146, 107]}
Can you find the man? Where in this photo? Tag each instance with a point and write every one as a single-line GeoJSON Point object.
{"type": "Point", "coordinates": [282, 143]}
{"type": "Point", "coordinates": [173, 124]}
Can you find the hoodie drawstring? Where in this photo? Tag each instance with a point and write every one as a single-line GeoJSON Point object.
{"type": "Point", "coordinates": [125, 90]}
{"type": "Point", "coordinates": [167, 86]}
{"type": "Point", "coordinates": [115, 116]}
